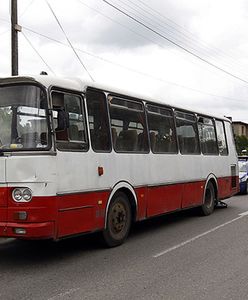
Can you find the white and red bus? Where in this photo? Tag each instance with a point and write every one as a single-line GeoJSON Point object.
{"type": "Point", "coordinates": [78, 158]}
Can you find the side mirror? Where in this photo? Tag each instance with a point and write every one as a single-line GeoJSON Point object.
{"type": "Point", "coordinates": [63, 120]}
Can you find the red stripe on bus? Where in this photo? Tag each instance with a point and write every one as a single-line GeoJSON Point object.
{"type": "Point", "coordinates": [58, 216]}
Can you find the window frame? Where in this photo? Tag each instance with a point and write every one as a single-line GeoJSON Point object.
{"type": "Point", "coordinates": [197, 132]}
{"type": "Point", "coordinates": [145, 128]}
{"type": "Point", "coordinates": [108, 116]}
{"type": "Point", "coordinates": [174, 125]}
{"type": "Point", "coordinates": [215, 131]}
{"type": "Point", "coordinates": [224, 128]}
{"type": "Point", "coordinates": [49, 125]}
{"type": "Point", "coordinates": [83, 110]}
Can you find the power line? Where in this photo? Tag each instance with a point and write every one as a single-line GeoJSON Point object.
{"type": "Point", "coordinates": [37, 52]}
{"type": "Point", "coordinates": [130, 69]}
{"type": "Point", "coordinates": [26, 8]}
{"type": "Point", "coordinates": [181, 28]}
{"type": "Point", "coordinates": [131, 30]}
{"type": "Point", "coordinates": [183, 34]}
{"type": "Point", "coordinates": [174, 43]}
{"type": "Point", "coordinates": [170, 33]}
{"type": "Point", "coordinates": [69, 42]}
{"type": "Point", "coordinates": [120, 24]}
{"type": "Point", "coordinates": [134, 70]}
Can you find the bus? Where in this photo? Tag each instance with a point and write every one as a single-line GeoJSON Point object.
{"type": "Point", "coordinates": [77, 158]}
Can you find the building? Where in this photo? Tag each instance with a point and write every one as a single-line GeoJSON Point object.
{"type": "Point", "coordinates": [240, 128]}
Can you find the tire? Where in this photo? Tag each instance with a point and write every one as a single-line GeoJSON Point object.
{"type": "Point", "coordinates": [118, 221]}
{"type": "Point", "coordinates": [209, 200]}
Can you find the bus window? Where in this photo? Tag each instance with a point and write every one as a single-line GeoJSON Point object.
{"type": "Point", "coordinates": [70, 135]}
{"type": "Point", "coordinates": [98, 121]}
{"type": "Point", "coordinates": [23, 118]}
{"type": "Point", "coordinates": [128, 125]}
{"type": "Point", "coordinates": [207, 135]}
{"type": "Point", "coordinates": [187, 133]}
{"type": "Point", "coordinates": [221, 137]}
{"type": "Point", "coordinates": [161, 129]}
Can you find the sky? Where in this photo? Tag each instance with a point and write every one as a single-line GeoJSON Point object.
{"type": "Point", "coordinates": [190, 53]}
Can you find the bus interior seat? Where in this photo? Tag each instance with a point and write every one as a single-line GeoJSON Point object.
{"type": "Point", "coordinates": [99, 138]}
{"type": "Point", "coordinates": [62, 135]}
{"type": "Point", "coordinates": [81, 134]}
{"type": "Point", "coordinates": [142, 142]}
{"type": "Point", "coordinates": [190, 145]}
{"type": "Point", "coordinates": [43, 138]}
{"type": "Point", "coordinates": [211, 146]}
{"type": "Point", "coordinates": [162, 144]}
{"type": "Point", "coordinates": [127, 140]}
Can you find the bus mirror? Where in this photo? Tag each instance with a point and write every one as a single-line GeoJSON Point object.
{"type": "Point", "coordinates": [63, 120]}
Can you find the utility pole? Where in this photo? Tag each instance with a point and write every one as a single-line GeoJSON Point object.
{"type": "Point", "coordinates": [15, 28]}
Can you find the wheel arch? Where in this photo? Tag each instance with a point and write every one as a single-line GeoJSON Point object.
{"type": "Point", "coordinates": [213, 179]}
{"type": "Point", "coordinates": [129, 191]}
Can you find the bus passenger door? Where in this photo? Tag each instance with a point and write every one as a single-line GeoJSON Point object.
{"type": "Point", "coordinates": [76, 208]}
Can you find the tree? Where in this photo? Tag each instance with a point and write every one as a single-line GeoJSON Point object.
{"type": "Point", "coordinates": [241, 143]}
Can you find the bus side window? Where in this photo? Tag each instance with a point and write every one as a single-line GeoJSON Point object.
{"type": "Point", "coordinates": [207, 135]}
{"type": "Point", "coordinates": [221, 137]}
{"type": "Point", "coordinates": [161, 129]}
{"type": "Point", "coordinates": [187, 133]}
{"type": "Point", "coordinates": [98, 121]}
{"type": "Point", "coordinates": [128, 125]}
{"type": "Point", "coordinates": [69, 121]}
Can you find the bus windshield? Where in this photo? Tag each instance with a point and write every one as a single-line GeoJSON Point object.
{"type": "Point", "coordinates": [23, 118]}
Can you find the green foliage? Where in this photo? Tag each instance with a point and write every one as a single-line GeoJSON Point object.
{"type": "Point", "coordinates": [241, 144]}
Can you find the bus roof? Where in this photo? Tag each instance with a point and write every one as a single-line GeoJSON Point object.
{"type": "Point", "coordinates": [76, 84]}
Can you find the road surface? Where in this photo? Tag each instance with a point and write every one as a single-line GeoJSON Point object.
{"type": "Point", "coordinates": [178, 256]}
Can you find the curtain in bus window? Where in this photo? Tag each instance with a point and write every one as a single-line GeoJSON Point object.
{"type": "Point", "coordinates": [98, 121]}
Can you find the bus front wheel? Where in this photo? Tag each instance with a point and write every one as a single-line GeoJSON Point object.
{"type": "Point", "coordinates": [209, 200]}
{"type": "Point", "coordinates": [118, 221]}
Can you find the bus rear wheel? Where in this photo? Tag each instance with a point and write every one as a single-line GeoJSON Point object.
{"type": "Point", "coordinates": [209, 200]}
{"type": "Point", "coordinates": [118, 221]}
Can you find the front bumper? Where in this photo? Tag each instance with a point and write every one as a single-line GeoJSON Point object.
{"type": "Point", "coordinates": [44, 230]}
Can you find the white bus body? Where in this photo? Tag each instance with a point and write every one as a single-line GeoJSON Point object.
{"type": "Point", "coordinates": [53, 186]}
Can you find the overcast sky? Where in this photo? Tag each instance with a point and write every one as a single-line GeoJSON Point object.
{"type": "Point", "coordinates": [122, 53]}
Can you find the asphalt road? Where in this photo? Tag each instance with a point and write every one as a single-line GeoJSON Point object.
{"type": "Point", "coordinates": [179, 256]}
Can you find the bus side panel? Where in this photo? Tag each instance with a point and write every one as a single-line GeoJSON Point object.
{"type": "Point", "coordinates": [80, 213]}
{"type": "Point", "coordinates": [225, 187]}
{"type": "Point", "coordinates": [163, 199]}
{"type": "Point", "coordinates": [193, 194]}
{"type": "Point", "coordinates": [141, 194]}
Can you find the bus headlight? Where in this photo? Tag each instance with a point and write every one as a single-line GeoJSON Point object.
{"type": "Point", "coordinates": [22, 195]}
{"type": "Point", "coordinates": [27, 195]}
